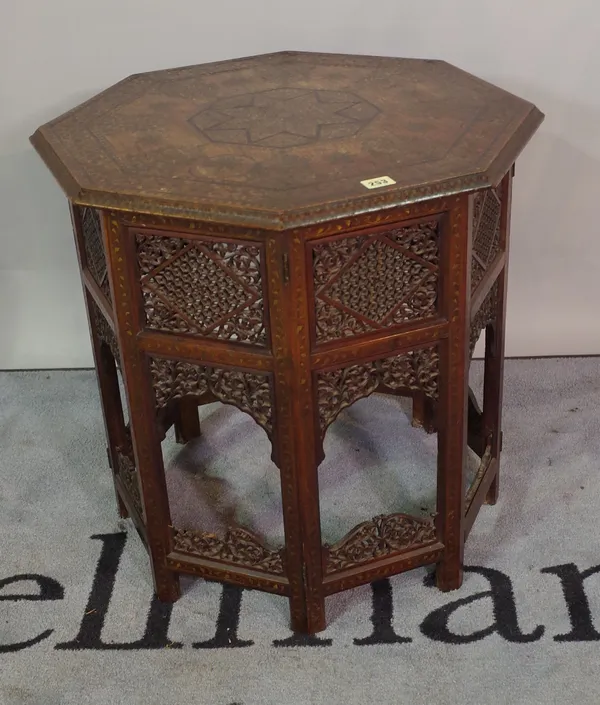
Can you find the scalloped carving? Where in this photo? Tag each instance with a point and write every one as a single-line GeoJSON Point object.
{"type": "Point", "coordinates": [248, 391]}
{"type": "Point", "coordinates": [337, 389]}
{"type": "Point", "coordinates": [485, 316]}
{"type": "Point", "coordinates": [104, 330]}
{"type": "Point", "coordinates": [239, 546]}
{"type": "Point", "coordinates": [382, 536]}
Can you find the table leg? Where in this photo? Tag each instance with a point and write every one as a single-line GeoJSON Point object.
{"type": "Point", "coordinates": [142, 407]}
{"type": "Point", "coordinates": [295, 438]}
{"type": "Point", "coordinates": [424, 412]}
{"type": "Point", "coordinates": [187, 421]}
{"type": "Point", "coordinates": [149, 461]}
{"type": "Point", "coordinates": [453, 396]}
{"type": "Point", "coordinates": [452, 438]}
{"type": "Point", "coordinates": [475, 432]}
{"type": "Point", "coordinates": [494, 346]}
{"type": "Point", "coordinates": [493, 383]}
{"type": "Point", "coordinates": [297, 460]}
{"type": "Point", "coordinates": [110, 398]}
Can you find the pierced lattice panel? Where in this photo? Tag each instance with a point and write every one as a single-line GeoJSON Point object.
{"type": "Point", "coordinates": [369, 282]}
{"type": "Point", "coordinates": [204, 288]}
{"type": "Point", "coordinates": [487, 208]}
{"type": "Point", "coordinates": [95, 257]}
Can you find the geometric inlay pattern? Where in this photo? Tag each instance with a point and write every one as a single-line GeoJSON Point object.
{"type": "Point", "coordinates": [380, 537]}
{"type": "Point", "coordinates": [416, 370]}
{"type": "Point", "coordinates": [201, 287]}
{"type": "Point", "coordinates": [238, 546]}
{"type": "Point", "coordinates": [95, 257]}
{"type": "Point", "coordinates": [487, 208]}
{"type": "Point", "coordinates": [368, 282]}
{"type": "Point", "coordinates": [284, 117]}
{"type": "Point", "coordinates": [250, 392]}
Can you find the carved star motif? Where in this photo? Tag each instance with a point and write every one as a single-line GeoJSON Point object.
{"type": "Point", "coordinates": [301, 115]}
{"type": "Point", "coordinates": [284, 117]}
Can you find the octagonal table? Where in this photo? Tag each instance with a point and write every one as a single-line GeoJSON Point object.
{"type": "Point", "coordinates": [289, 233]}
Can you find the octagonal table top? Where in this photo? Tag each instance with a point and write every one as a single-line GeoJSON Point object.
{"type": "Point", "coordinates": [286, 139]}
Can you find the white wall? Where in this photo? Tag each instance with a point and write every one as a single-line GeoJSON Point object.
{"type": "Point", "coordinates": [54, 55]}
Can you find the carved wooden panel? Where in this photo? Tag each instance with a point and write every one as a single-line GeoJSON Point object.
{"type": "Point", "coordinates": [238, 546]}
{"type": "Point", "coordinates": [380, 537]}
{"type": "Point", "coordinates": [368, 282]}
{"type": "Point", "coordinates": [95, 257]}
{"type": "Point", "coordinates": [104, 330]}
{"type": "Point", "coordinates": [487, 207]}
{"type": "Point", "coordinates": [201, 287]}
{"type": "Point", "coordinates": [485, 316]}
{"type": "Point", "coordinates": [127, 473]}
{"type": "Point", "coordinates": [337, 389]}
{"type": "Point", "coordinates": [250, 392]}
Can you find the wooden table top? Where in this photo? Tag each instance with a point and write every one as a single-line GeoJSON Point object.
{"type": "Point", "coordinates": [286, 139]}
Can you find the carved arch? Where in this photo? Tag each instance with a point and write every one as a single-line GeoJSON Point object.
{"type": "Point", "coordinates": [250, 392]}
{"type": "Point", "coordinates": [416, 370]}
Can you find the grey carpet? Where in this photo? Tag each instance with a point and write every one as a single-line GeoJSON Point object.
{"type": "Point", "coordinates": [521, 630]}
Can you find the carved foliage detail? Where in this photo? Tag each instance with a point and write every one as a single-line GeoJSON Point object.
{"type": "Point", "coordinates": [367, 282]}
{"type": "Point", "coordinates": [238, 546]}
{"type": "Point", "coordinates": [203, 287]}
{"type": "Point", "coordinates": [487, 208]}
{"type": "Point", "coordinates": [485, 316]}
{"type": "Point", "coordinates": [95, 257]}
{"type": "Point", "coordinates": [249, 391]}
{"type": "Point", "coordinates": [382, 536]}
{"type": "Point", "coordinates": [337, 389]}
{"type": "Point", "coordinates": [128, 474]}
{"type": "Point", "coordinates": [104, 331]}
